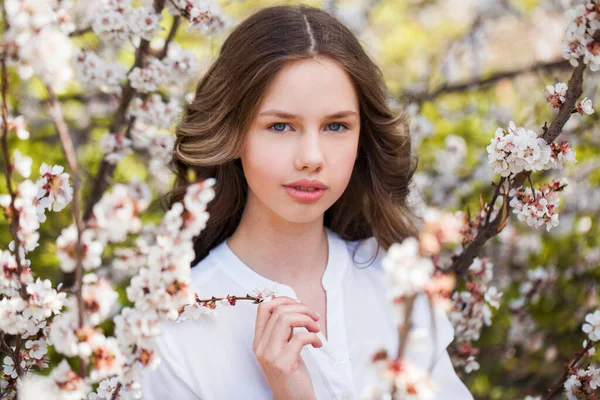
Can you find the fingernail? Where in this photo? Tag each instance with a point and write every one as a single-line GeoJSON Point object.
{"type": "Point", "coordinates": [298, 300]}
{"type": "Point", "coordinates": [318, 315]}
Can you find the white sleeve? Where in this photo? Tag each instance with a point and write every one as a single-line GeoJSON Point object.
{"type": "Point", "coordinates": [169, 379]}
{"type": "Point", "coordinates": [448, 385]}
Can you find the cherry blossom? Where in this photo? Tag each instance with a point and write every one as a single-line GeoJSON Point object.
{"type": "Point", "coordinates": [37, 348]}
{"type": "Point", "coordinates": [517, 149]}
{"type": "Point", "coordinates": [99, 299]}
{"type": "Point", "coordinates": [10, 280]}
{"type": "Point", "coordinates": [155, 112]}
{"type": "Point", "coordinates": [97, 74]}
{"type": "Point", "coordinates": [22, 164]}
{"type": "Point", "coordinates": [69, 384]}
{"type": "Point", "coordinates": [471, 311]}
{"type": "Point", "coordinates": [198, 13]}
{"type": "Point", "coordinates": [28, 215]}
{"type": "Point", "coordinates": [144, 22]}
{"type": "Point", "coordinates": [66, 250]}
{"type": "Point", "coordinates": [39, 46]}
{"type": "Point", "coordinates": [556, 94]}
{"type": "Point", "coordinates": [585, 106]}
{"type": "Point", "coordinates": [21, 316]}
{"type": "Point", "coordinates": [111, 24]}
{"type": "Point", "coordinates": [116, 214]}
{"type": "Point", "coordinates": [584, 21]}
{"type": "Point", "coordinates": [149, 78]}
{"type": "Point", "coordinates": [115, 147]}
{"type": "Point", "coordinates": [406, 271]}
{"type": "Point", "coordinates": [16, 124]}
{"type": "Point", "coordinates": [106, 358]}
{"type": "Point", "coordinates": [592, 326]}
{"type": "Point", "coordinates": [9, 367]}
{"type": "Point", "coordinates": [561, 154]}
{"type": "Point", "coordinates": [54, 190]}
{"type": "Point", "coordinates": [541, 209]}
{"type": "Point", "coordinates": [583, 382]}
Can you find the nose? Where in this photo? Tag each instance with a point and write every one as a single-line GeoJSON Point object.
{"type": "Point", "coordinates": [309, 151]}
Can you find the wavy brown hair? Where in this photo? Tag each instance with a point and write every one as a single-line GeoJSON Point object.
{"type": "Point", "coordinates": [210, 135]}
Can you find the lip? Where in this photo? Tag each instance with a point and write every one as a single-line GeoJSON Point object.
{"type": "Point", "coordinates": [315, 183]}
{"type": "Point", "coordinates": [305, 196]}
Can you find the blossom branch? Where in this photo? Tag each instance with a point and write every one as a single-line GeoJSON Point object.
{"type": "Point", "coordinates": [403, 333]}
{"type": "Point", "coordinates": [69, 150]}
{"type": "Point", "coordinates": [488, 230]}
{"type": "Point", "coordinates": [102, 180]}
{"type": "Point", "coordinates": [14, 221]}
{"type": "Point", "coordinates": [568, 370]}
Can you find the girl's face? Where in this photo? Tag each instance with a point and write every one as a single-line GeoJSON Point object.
{"type": "Point", "coordinates": [307, 127]}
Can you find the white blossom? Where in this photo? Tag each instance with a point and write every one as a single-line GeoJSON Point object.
{"type": "Point", "coordinates": [111, 25]}
{"type": "Point", "coordinates": [585, 107]}
{"type": "Point", "coordinates": [115, 147]}
{"type": "Point", "coordinates": [37, 348]}
{"type": "Point", "coordinates": [155, 112]}
{"type": "Point", "coordinates": [517, 149]}
{"type": "Point", "coordinates": [144, 22]}
{"type": "Point", "coordinates": [541, 210]}
{"type": "Point", "coordinates": [16, 124]}
{"type": "Point", "coordinates": [578, 41]}
{"type": "Point", "coordinates": [556, 94]}
{"type": "Point", "coordinates": [54, 186]}
{"type": "Point", "coordinates": [97, 74]}
{"type": "Point", "coordinates": [22, 164]}
{"type": "Point", "coordinates": [406, 271]}
{"type": "Point", "coordinates": [66, 251]}
{"type": "Point", "coordinates": [592, 326]}
{"type": "Point", "coordinates": [148, 78]}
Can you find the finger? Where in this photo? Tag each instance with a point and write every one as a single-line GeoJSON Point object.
{"type": "Point", "coordinates": [263, 314]}
{"type": "Point", "coordinates": [291, 352]}
{"type": "Point", "coordinates": [278, 333]}
{"type": "Point", "coordinates": [283, 309]}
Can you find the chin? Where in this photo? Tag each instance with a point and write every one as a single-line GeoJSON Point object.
{"type": "Point", "coordinates": [302, 215]}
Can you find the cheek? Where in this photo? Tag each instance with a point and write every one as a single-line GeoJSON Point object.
{"type": "Point", "coordinates": [261, 161]}
{"type": "Point", "coordinates": [340, 161]}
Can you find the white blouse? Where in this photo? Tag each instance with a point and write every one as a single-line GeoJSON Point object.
{"type": "Point", "coordinates": [212, 358]}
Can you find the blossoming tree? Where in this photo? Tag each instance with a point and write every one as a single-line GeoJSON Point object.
{"type": "Point", "coordinates": [112, 76]}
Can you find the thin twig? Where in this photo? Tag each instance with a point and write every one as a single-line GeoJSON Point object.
{"type": "Point", "coordinates": [479, 82]}
{"type": "Point", "coordinates": [403, 332]}
{"type": "Point", "coordinates": [14, 218]}
{"type": "Point", "coordinates": [62, 129]}
{"type": "Point", "coordinates": [568, 367]}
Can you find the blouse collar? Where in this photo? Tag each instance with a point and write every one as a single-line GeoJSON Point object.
{"type": "Point", "coordinates": [337, 264]}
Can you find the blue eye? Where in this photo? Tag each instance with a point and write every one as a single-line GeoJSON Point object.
{"type": "Point", "coordinates": [339, 125]}
{"type": "Point", "coordinates": [283, 125]}
{"type": "Point", "coordinates": [280, 124]}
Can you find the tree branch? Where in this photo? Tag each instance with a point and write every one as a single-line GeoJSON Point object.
{"type": "Point", "coordinates": [420, 96]}
{"type": "Point", "coordinates": [106, 169]}
{"type": "Point", "coordinates": [575, 89]}
{"type": "Point", "coordinates": [62, 129]}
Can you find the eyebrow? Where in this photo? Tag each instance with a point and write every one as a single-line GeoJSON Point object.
{"type": "Point", "coordinates": [286, 115]}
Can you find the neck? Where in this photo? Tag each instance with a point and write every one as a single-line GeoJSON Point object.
{"type": "Point", "coordinates": [294, 254]}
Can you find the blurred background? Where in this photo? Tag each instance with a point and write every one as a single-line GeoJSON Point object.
{"type": "Point", "coordinates": [462, 68]}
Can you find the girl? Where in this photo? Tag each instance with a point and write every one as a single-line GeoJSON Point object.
{"type": "Point", "coordinates": [312, 172]}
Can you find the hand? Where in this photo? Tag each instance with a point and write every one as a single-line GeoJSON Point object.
{"type": "Point", "coordinates": [277, 348]}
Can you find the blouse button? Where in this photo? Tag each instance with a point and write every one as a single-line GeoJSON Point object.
{"type": "Point", "coordinates": [346, 395]}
